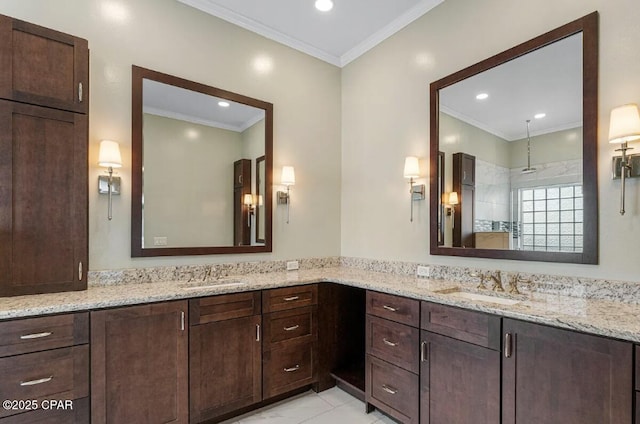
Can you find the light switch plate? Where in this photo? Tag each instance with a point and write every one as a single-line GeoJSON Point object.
{"type": "Point", "coordinates": [292, 265]}
{"type": "Point", "coordinates": [159, 241]}
{"type": "Point", "coordinates": [423, 271]}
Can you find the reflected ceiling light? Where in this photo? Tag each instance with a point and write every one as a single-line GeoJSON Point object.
{"type": "Point", "coordinates": [539, 115]}
{"type": "Point", "coordinates": [115, 11]}
{"type": "Point", "coordinates": [482, 96]}
{"type": "Point", "coordinates": [324, 5]}
{"type": "Point", "coordinates": [223, 104]}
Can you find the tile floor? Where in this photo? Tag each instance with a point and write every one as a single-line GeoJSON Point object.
{"type": "Point", "coordinates": [332, 406]}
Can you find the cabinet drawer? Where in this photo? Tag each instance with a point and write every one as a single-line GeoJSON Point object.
{"type": "Point", "coordinates": [392, 389]}
{"type": "Point", "coordinates": [289, 298]}
{"type": "Point", "coordinates": [288, 368]}
{"type": "Point", "coordinates": [395, 308]}
{"type": "Point", "coordinates": [300, 324]}
{"type": "Point", "coordinates": [224, 307]}
{"type": "Point", "coordinates": [393, 342]}
{"type": "Point", "coordinates": [35, 334]}
{"type": "Point", "coordinates": [53, 374]}
{"type": "Point", "coordinates": [469, 326]}
{"type": "Point", "coordinates": [78, 414]}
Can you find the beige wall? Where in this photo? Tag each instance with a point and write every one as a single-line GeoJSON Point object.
{"type": "Point", "coordinates": [168, 36]}
{"type": "Point", "coordinates": [552, 147]}
{"type": "Point", "coordinates": [188, 182]}
{"type": "Point", "coordinates": [253, 148]}
{"type": "Point", "coordinates": [385, 101]}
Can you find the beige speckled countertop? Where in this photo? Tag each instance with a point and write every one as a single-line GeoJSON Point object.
{"type": "Point", "coordinates": [602, 317]}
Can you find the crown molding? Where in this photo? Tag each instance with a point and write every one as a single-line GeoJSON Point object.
{"type": "Point", "coordinates": [182, 117]}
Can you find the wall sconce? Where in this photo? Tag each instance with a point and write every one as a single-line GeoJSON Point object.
{"type": "Point", "coordinates": [110, 158]}
{"type": "Point", "coordinates": [249, 203]}
{"type": "Point", "coordinates": [412, 171]}
{"type": "Point", "coordinates": [287, 179]}
{"type": "Point", "coordinates": [451, 203]}
{"type": "Point", "coordinates": [624, 127]}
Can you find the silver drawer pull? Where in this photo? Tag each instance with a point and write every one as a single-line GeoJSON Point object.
{"type": "Point", "coordinates": [389, 389]}
{"type": "Point", "coordinates": [292, 369]}
{"type": "Point", "coordinates": [388, 343]}
{"type": "Point", "coordinates": [34, 382]}
{"type": "Point", "coordinates": [295, 327]}
{"type": "Point", "coordinates": [289, 299]}
{"type": "Point", "coordinates": [390, 308]}
{"type": "Point", "coordinates": [36, 335]}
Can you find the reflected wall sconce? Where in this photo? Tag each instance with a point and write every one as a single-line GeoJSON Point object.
{"type": "Point", "coordinates": [287, 179]}
{"type": "Point", "coordinates": [109, 157]}
{"type": "Point", "coordinates": [451, 203]}
{"type": "Point", "coordinates": [412, 171]}
{"type": "Point", "coordinates": [624, 127]}
{"type": "Point", "coordinates": [248, 201]}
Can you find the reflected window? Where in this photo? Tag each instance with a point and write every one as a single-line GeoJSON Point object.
{"type": "Point", "coordinates": [551, 218]}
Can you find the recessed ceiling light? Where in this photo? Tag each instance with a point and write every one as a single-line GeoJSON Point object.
{"type": "Point", "coordinates": [539, 115]}
{"type": "Point", "coordinates": [324, 5]}
{"type": "Point", "coordinates": [482, 96]}
{"type": "Point", "coordinates": [223, 104]}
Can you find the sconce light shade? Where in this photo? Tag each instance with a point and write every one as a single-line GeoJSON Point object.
{"type": "Point", "coordinates": [288, 177]}
{"type": "Point", "coordinates": [248, 199]}
{"type": "Point", "coordinates": [625, 124]}
{"type": "Point", "coordinates": [411, 167]}
{"type": "Point", "coordinates": [109, 155]}
{"type": "Point", "coordinates": [453, 198]}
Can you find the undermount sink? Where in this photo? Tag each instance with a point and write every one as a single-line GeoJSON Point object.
{"type": "Point", "coordinates": [462, 294]}
{"type": "Point", "coordinates": [212, 284]}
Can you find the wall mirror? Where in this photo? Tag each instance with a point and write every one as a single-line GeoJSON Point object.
{"type": "Point", "coordinates": [513, 152]}
{"type": "Point", "coordinates": [202, 160]}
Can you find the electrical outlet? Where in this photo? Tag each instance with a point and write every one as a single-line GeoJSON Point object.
{"type": "Point", "coordinates": [423, 271]}
{"type": "Point", "coordinates": [292, 265]}
{"type": "Point", "coordinates": [159, 241]}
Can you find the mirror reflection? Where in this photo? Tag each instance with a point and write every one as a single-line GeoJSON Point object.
{"type": "Point", "coordinates": [515, 166]}
{"type": "Point", "coordinates": [201, 183]}
{"type": "Point", "coordinates": [514, 152]}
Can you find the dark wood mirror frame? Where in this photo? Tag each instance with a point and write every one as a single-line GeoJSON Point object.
{"type": "Point", "coordinates": [259, 161]}
{"type": "Point", "coordinates": [588, 25]}
{"type": "Point", "coordinates": [138, 74]}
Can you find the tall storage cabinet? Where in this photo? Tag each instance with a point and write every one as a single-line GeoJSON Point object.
{"type": "Point", "coordinates": [43, 159]}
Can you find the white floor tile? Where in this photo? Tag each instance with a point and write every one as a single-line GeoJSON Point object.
{"type": "Point", "coordinates": [349, 413]}
{"type": "Point", "coordinates": [291, 411]}
{"type": "Point", "coordinates": [337, 397]}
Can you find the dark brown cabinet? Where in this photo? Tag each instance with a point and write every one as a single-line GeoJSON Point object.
{"type": "Point", "coordinates": [43, 160]}
{"type": "Point", "coordinates": [43, 67]}
{"type": "Point", "coordinates": [551, 375]}
{"type": "Point", "coordinates": [139, 364]}
{"type": "Point", "coordinates": [464, 176]}
{"type": "Point", "coordinates": [291, 339]}
{"type": "Point", "coordinates": [225, 355]}
{"type": "Point", "coordinates": [392, 363]}
{"type": "Point", "coordinates": [460, 366]}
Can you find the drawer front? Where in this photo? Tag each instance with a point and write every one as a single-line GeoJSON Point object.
{"type": "Point", "coordinates": [638, 371]}
{"type": "Point", "coordinates": [469, 326]}
{"type": "Point", "coordinates": [394, 308]}
{"type": "Point", "coordinates": [42, 333]}
{"type": "Point", "coordinates": [53, 374]}
{"type": "Point", "coordinates": [299, 324]}
{"type": "Point", "coordinates": [393, 342]}
{"type": "Point", "coordinates": [77, 413]}
{"type": "Point", "coordinates": [289, 298]}
{"type": "Point", "coordinates": [392, 389]}
{"type": "Point", "coordinates": [288, 368]}
{"type": "Point", "coordinates": [224, 307]}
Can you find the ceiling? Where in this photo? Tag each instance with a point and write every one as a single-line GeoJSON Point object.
{"type": "Point", "coordinates": [338, 36]}
{"type": "Point", "coordinates": [547, 80]}
{"type": "Point", "coordinates": [198, 108]}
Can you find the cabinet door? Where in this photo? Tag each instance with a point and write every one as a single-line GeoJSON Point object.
{"type": "Point", "coordinates": [139, 364]}
{"type": "Point", "coordinates": [559, 376]}
{"type": "Point", "coordinates": [459, 382]}
{"type": "Point", "coordinates": [225, 367]}
{"type": "Point", "coordinates": [43, 67]}
{"type": "Point", "coordinates": [43, 200]}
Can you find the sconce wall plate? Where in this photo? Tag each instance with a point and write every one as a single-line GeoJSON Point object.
{"type": "Point", "coordinates": [103, 185]}
{"type": "Point", "coordinates": [283, 197]}
{"type": "Point", "coordinates": [634, 162]}
{"type": "Point", "coordinates": [418, 192]}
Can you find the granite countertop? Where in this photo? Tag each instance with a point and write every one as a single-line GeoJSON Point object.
{"type": "Point", "coordinates": [601, 317]}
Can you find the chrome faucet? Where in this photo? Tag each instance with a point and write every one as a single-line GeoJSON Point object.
{"type": "Point", "coordinates": [496, 277]}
